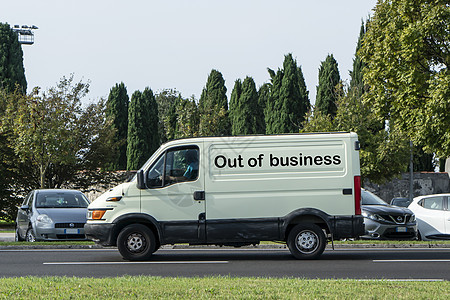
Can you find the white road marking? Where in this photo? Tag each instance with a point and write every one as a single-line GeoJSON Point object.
{"type": "Point", "coordinates": [133, 262]}
{"type": "Point", "coordinates": [410, 260]}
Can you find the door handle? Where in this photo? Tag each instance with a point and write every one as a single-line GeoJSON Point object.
{"type": "Point", "coordinates": [199, 195]}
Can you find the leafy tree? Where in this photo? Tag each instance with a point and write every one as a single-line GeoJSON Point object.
{"type": "Point", "coordinates": [143, 137]}
{"type": "Point", "coordinates": [187, 118]}
{"type": "Point", "coordinates": [288, 102]}
{"type": "Point", "coordinates": [327, 94]}
{"type": "Point", "coordinates": [167, 101]}
{"type": "Point", "coordinates": [213, 107]}
{"type": "Point", "coordinates": [12, 72]}
{"type": "Point", "coordinates": [406, 51]}
{"type": "Point", "coordinates": [117, 113]}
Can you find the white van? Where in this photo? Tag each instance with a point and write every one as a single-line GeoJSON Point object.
{"type": "Point", "coordinates": [302, 189]}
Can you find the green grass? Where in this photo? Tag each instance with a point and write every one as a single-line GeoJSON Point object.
{"type": "Point", "coordinates": [145, 287]}
{"type": "Point", "coordinates": [46, 243]}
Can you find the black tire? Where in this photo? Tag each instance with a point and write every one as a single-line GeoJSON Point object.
{"type": "Point", "coordinates": [306, 241]}
{"type": "Point", "coordinates": [136, 242]}
{"type": "Point", "coordinates": [17, 237]}
{"type": "Point", "coordinates": [30, 236]}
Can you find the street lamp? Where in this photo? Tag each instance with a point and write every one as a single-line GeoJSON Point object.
{"type": "Point", "coordinates": [25, 34]}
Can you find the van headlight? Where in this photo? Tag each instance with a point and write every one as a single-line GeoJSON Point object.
{"type": "Point", "coordinates": [44, 221]}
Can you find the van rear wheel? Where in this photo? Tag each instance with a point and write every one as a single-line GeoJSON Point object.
{"type": "Point", "coordinates": [136, 242]}
{"type": "Point", "coordinates": [306, 241]}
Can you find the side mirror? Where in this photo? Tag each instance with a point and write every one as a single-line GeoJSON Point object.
{"type": "Point", "coordinates": [25, 207]}
{"type": "Point", "coordinates": [140, 180]}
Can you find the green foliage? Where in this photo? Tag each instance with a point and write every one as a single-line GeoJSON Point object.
{"type": "Point", "coordinates": [288, 102]}
{"type": "Point", "coordinates": [183, 119]}
{"type": "Point", "coordinates": [245, 112]}
{"type": "Point", "coordinates": [407, 55]}
{"type": "Point", "coordinates": [117, 114]}
{"type": "Point", "coordinates": [327, 90]}
{"type": "Point", "coordinates": [356, 76]}
{"type": "Point", "coordinates": [213, 107]}
{"type": "Point", "coordinates": [143, 136]}
{"type": "Point", "coordinates": [12, 72]}
{"type": "Point", "coordinates": [167, 101]}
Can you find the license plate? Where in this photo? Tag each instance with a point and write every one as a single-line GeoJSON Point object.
{"type": "Point", "coordinates": [71, 231]}
{"type": "Point", "coordinates": [401, 229]}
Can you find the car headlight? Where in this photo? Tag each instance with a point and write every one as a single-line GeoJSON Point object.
{"type": "Point", "coordinates": [44, 221]}
{"type": "Point", "coordinates": [413, 218]}
{"type": "Point", "coordinates": [371, 216]}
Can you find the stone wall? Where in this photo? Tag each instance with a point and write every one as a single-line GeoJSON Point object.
{"type": "Point", "coordinates": [425, 183]}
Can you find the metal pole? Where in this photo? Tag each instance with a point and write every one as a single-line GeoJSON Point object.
{"type": "Point", "coordinates": [411, 174]}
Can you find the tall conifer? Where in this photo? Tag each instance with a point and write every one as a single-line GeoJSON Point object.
{"type": "Point", "coordinates": [213, 107]}
{"type": "Point", "coordinates": [327, 90]}
{"type": "Point", "coordinates": [143, 137]}
{"type": "Point", "coordinates": [12, 72]}
{"type": "Point", "coordinates": [117, 113]}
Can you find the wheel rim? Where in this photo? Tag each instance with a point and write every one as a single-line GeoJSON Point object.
{"type": "Point", "coordinates": [30, 236]}
{"type": "Point", "coordinates": [307, 241]}
{"type": "Point", "coordinates": [136, 242]}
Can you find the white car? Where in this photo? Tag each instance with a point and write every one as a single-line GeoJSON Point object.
{"type": "Point", "coordinates": [433, 216]}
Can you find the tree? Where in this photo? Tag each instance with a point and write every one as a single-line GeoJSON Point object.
{"type": "Point", "coordinates": [245, 111]}
{"type": "Point", "coordinates": [263, 98]}
{"type": "Point", "coordinates": [327, 94]}
{"type": "Point", "coordinates": [356, 76]}
{"type": "Point", "coordinates": [117, 114]}
{"type": "Point", "coordinates": [213, 107]}
{"type": "Point", "coordinates": [406, 49]}
{"type": "Point", "coordinates": [288, 102]}
{"type": "Point", "coordinates": [186, 118]}
{"type": "Point", "coordinates": [12, 72]}
{"type": "Point", "coordinates": [143, 136]}
{"type": "Point", "coordinates": [167, 101]}
{"type": "Point", "coordinates": [50, 132]}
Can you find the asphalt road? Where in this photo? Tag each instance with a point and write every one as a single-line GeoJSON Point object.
{"type": "Point", "coordinates": [399, 264]}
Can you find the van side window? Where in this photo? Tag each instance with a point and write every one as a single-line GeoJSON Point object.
{"type": "Point", "coordinates": [181, 165]}
{"type": "Point", "coordinates": [155, 174]}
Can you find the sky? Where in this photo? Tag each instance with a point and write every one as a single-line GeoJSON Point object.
{"type": "Point", "coordinates": [174, 44]}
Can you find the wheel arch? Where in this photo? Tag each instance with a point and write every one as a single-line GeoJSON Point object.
{"type": "Point", "coordinates": [136, 218]}
{"type": "Point", "coordinates": [305, 215]}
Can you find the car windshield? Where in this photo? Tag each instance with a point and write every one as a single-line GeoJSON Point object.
{"type": "Point", "coordinates": [61, 200]}
{"type": "Point", "coordinates": [371, 199]}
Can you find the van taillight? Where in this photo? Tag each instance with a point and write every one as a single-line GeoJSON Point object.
{"type": "Point", "coordinates": [357, 187]}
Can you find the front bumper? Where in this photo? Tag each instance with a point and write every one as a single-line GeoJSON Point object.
{"type": "Point", "coordinates": [382, 231]}
{"type": "Point", "coordinates": [59, 234]}
{"type": "Point", "coordinates": [100, 233]}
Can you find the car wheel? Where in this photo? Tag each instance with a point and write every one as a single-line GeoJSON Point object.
{"type": "Point", "coordinates": [30, 237]}
{"type": "Point", "coordinates": [419, 236]}
{"type": "Point", "coordinates": [17, 237]}
{"type": "Point", "coordinates": [136, 242]}
{"type": "Point", "coordinates": [306, 241]}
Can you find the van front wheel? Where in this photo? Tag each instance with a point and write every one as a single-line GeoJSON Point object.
{"type": "Point", "coordinates": [306, 241]}
{"type": "Point", "coordinates": [136, 242]}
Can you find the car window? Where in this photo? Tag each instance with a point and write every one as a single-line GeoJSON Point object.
{"type": "Point", "coordinates": [155, 174]}
{"type": "Point", "coordinates": [26, 201]}
{"type": "Point", "coordinates": [435, 203]}
{"type": "Point", "coordinates": [181, 165]}
{"type": "Point", "coordinates": [61, 200]}
{"type": "Point", "coordinates": [367, 198]}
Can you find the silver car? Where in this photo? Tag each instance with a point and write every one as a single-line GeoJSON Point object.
{"type": "Point", "coordinates": [386, 222]}
{"type": "Point", "coordinates": [52, 215]}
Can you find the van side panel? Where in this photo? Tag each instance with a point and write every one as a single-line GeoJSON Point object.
{"type": "Point", "coordinates": [273, 176]}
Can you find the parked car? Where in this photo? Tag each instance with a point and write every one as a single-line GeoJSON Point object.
{"type": "Point", "coordinates": [400, 201]}
{"type": "Point", "coordinates": [55, 214]}
{"type": "Point", "coordinates": [433, 216]}
{"type": "Point", "coordinates": [384, 221]}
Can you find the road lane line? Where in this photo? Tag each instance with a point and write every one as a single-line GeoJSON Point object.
{"type": "Point", "coordinates": [410, 260]}
{"type": "Point", "coordinates": [133, 262]}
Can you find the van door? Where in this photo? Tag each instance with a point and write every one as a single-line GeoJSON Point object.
{"type": "Point", "coordinates": [175, 195]}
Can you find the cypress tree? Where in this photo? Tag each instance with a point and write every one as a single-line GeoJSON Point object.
{"type": "Point", "coordinates": [263, 98]}
{"type": "Point", "coordinates": [245, 109]}
{"type": "Point", "coordinates": [288, 103]}
{"type": "Point", "coordinates": [356, 75]}
{"type": "Point", "coordinates": [117, 114]}
{"type": "Point", "coordinates": [143, 137]}
{"type": "Point", "coordinates": [213, 107]}
{"type": "Point", "coordinates": [12, 72]}
{"type": "Point", "coordinates": [327, 93]}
